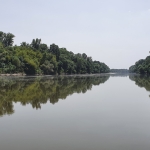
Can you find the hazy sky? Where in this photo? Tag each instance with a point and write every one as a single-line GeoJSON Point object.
{"type": "Point", "coordinates": [116, 32]}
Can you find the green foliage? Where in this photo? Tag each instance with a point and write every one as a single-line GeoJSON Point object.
{"type": "Point", "coordinates": [142, 66]}
{"type": "Point", "coordinates": [54, 49]}
{"type": "Point", "coordinates": [6, 39]}
{"type": "Point", "coordinates": [25, 44]}
{"type": "Point", "coordinates": [35, 44]}
{"type": "Point", "coordinates": [37, 58]}
{"type": "Point", "coordinates": [47, 67]}
{"type": "Point", "coordinates": [43, 47]}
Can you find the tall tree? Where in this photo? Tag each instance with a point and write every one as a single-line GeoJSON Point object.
{"type": "Point", "coordinates": [43, 47]}
{"type": "Point", "coordinates": [6, 39]}
{"type": "Point", "coordinates": [54, 49]}
{"type": "Point", "coordinates": [24, 44]}
{"type": "Point", "coordinates": [36, 43]}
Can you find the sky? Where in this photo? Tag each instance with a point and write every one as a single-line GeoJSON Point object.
{"type": "Point", "coordinates": [116, 32]}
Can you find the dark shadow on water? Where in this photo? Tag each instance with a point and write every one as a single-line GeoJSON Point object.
{"type": "Point", "coordinates": [39, 90]}
{"type": "Point", "coordinates": [141, 81]}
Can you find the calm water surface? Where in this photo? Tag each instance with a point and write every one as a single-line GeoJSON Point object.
{"type": "Point", "coordinates": [75, 113]}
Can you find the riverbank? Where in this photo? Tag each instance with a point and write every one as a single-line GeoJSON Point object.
{"type": "Point", "coordinates": [15, 74]}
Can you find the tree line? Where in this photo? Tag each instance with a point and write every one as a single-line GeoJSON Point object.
{"type": "Point", "coordinates": [119, 71]}
{"type": "Point", "coordinates": [39, 58]}
{"type": "Point", "coordinates": [142, 66]}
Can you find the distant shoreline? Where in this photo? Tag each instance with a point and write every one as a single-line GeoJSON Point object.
{"type": "Point", "coordinates": [15, 74]}
{"type": "Point", "coordinates": [36, 75]}
{"type": "Point", "coordinates": [20, 74]}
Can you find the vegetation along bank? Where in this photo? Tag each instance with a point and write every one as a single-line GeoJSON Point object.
{"type": "Point", "coordinates": [142, 66]}
{"type": "Point", "coordinates": [39, 58]}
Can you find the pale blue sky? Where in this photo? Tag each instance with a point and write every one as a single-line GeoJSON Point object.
{"type": "Point", "coordinates": [116, 32]}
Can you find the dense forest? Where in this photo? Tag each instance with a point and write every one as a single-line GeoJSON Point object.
{"type": "Point", "coordinates": [38, 58]}
{"type": "Point", "coordinates": [40, 90]}
{"type": "Point", "coordinates": [141, 67]}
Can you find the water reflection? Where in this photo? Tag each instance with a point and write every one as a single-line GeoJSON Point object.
{"type": "Point", "coordinates": [40, 90]}
{"type": "Point", "coordinates": [141, 81]}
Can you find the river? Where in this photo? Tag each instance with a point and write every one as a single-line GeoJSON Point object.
{"type": "Point", "coordinates": [101, 112]}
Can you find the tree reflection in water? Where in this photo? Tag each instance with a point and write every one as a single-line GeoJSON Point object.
{"type": "Point", "coordinates": [40, 90]}
{"type": "Point", "coordinates": [141, 81]}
